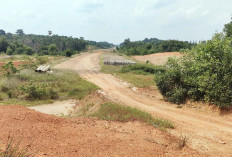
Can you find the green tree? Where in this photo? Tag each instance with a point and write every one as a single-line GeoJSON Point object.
{"type": "Point", "coordinates": [3, 44]}
{"type": "Point", "coordinates": [52, 49]}
{"type": "Point", "coordinates": [9, 51]}
{"type": "Point", "coordinates": [202, 74]}
{"type": "Point", "coordinates": [49, 33]}
{"type": "Point", "coordinates": [228, 29]}
{"type": "Point", "coordinates": [2, 32]}
{"type": "Point", "coordinates": [20, 32]}
{"type": "Point", "coordinates": [29, 51]}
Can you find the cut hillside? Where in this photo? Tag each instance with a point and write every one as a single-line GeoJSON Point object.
{"type": "Point", "coordinates": [158, 58]}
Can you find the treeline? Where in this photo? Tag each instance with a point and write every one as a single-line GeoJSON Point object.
{"type": "Point", "coordinates": [103, 45]}
{"type": "Point", "coordinates": [21, 43]}
{"type": "Point", "coordinates": [153, 45]}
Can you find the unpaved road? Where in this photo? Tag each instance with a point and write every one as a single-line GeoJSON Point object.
{"type": "Point", "coordinates": [207, 132]}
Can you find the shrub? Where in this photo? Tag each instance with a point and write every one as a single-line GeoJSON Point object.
{"type": "Point", "coordinates": [68, 53]}
{"type": "Point", "coordinates": [9, 51]}
{"type": "Point", "coordinates": [42, 59]}
{"type": "Point", "coordinates": [53, 94]}
{"type": "Point", "coordinates": [35, 92]}
{"type": "Point", "coordinates": [9, 69]}
{"type": "Point", "coordinates": [203, 74]}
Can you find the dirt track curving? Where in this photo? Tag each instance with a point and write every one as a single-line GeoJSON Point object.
{"type": "Point", "coordinates": [207, 132]}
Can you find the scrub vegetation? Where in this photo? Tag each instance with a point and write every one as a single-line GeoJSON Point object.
{"type": "Point", "coordinates": [203, 74]}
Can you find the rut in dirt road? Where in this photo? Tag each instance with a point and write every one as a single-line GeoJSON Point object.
{"type": "Point", "coordinates": [208, 133]}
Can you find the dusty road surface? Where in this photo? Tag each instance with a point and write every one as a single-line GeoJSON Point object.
{"type": "Point", "coordinates": [207, 132]}
{"type": "Point", "coordinates": [158, 58]}
{"type": "Point", "coordinates": [52, 136]}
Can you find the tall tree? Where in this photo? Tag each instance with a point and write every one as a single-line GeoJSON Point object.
{"type": "Point", "coordinates": [3, 44]}
{"type": "Point", "coordinates": [2, 32]}
{"type": "Point", "coordinates": [228, 29]}
{"type": "Point", "coordinates": [49, 32]}
{"type": "Point", "coordinates": [20, 32]}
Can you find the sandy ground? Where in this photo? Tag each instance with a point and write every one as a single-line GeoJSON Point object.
{"type": "Point", "coordinates": [51, 136]}
{"type": "Point", "coordinates": [207, 132]}
{"type": "Point", "coordinates": [158, 58]}
{"type": "Point", "coordinates": [58, 108]}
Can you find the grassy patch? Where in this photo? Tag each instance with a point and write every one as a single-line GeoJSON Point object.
{"type": "Point", "coordinates": [111, 69]}
{"type": "Point", "coordinates": [141, 81]}
{"type": "Point", "coordinates": [115, 112]}
{"type": "Point", "coordinates": [136, 75]}
{"type": "Point", "coordinates": [29, 88]}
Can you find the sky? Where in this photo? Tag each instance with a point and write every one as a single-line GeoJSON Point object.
{"type": "Point", "coordinates": [115, 20]}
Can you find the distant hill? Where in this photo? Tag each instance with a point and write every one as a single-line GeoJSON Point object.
{"type": "Point", "coordinates": [45, 44]}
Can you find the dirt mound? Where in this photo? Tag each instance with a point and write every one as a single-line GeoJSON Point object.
{"type": "Point", "coordinates": [158, 58]}
{"type": "Point", "coordinates": [54, 136]}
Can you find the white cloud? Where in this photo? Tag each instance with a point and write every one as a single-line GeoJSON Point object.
{"type": "Point", "coordinates": [88, 5]}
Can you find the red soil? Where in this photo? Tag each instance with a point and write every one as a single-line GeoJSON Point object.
{"type": "Point", "coordinates": [54, 136]}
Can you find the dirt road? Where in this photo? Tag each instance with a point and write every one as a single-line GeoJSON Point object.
{"type": "Point", "coordinates": [207, 132]}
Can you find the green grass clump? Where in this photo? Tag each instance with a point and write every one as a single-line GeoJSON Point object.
{"type": "Point", "coordinates": [115, 112]}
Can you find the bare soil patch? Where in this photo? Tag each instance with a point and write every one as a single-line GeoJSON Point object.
{"type": "Point", "coordinates": [54, 136]}
{"type": "Point", "coordinates": [158, 58]}
{"type": "Point", "coordinates": [16, 63]}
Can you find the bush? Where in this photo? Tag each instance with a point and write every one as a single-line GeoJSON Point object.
{"type": "Point", "coordinates": [203, 74]}
{"type": "Point", "coordinates": [35, 92]}
{"type": "Point", "coordinates": [9, 69]}
{"type": "Point", "coordinates": [68, 53]}
{"type": "Point", "coordinates": [42, 59]}
{"type": "Point", "coordinates": [9, 51]}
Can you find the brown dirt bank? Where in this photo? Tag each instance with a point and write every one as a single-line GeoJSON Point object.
{"type": "Point", "coordinates": [54, 136]}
